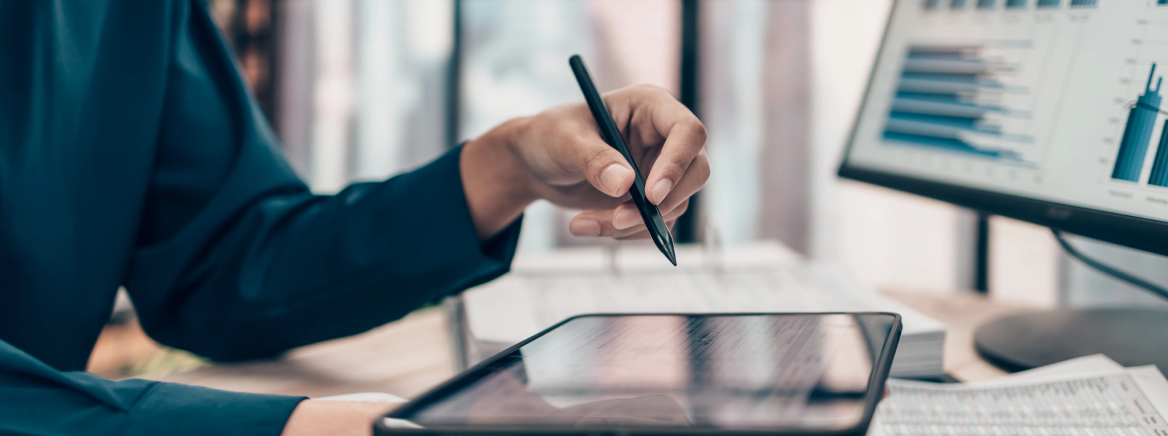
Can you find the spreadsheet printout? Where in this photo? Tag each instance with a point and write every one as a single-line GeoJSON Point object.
{"type": "Point", "coordinates": [1117, 403]}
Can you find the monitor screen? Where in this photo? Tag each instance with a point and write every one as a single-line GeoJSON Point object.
{"type": "Point", "coordinates": [711, 371]}
{"type": "Point", "coordinates": [1052, 100]}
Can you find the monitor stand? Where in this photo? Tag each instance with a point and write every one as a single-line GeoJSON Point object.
{"type": "Point", "coordinates": [1129, 336]}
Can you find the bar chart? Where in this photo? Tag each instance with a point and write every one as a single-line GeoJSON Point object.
{"type": "Point", "coordinates": [948, 98]}
{"type": "Point", "coordinates": [1013, 4]}
{"type": "Point", "coordinates": [1159, 176]}
{"type": "Point", "coordinates": [1058, 99]}
{"type": "Point", "coordinates": [1137, 132]}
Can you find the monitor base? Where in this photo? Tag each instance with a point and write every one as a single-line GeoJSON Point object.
{"type": "Point", "coordinates": [1129, 336]}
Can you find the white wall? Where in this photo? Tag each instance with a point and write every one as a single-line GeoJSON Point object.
{"type": "Point", "coordinates": [891, 240]}
{"type": "Point", "coordinates": [1024, 264]}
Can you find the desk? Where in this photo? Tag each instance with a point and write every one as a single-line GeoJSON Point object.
{"type": "Point", "coordinates": [409, 356]}
{"type": "Point", "coordinates": [405, 358]}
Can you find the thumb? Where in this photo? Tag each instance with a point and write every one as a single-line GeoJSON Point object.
{"type": "Point", "coordinates": [606, 169]}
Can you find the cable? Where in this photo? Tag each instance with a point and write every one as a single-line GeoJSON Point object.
{"type": "Point", "coordinates": [1151, 287]}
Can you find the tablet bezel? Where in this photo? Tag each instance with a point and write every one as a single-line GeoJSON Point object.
{"type": "Point", "coordinates": [874, 393]}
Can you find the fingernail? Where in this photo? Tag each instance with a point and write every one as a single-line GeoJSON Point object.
{"type": "Point", "coordinates": [612, 177]}
{"type": "Point", "coordinates": [661, 190]}
{"type": "Point", "coordinates": [625, 218]}
{"type": "Point", "coordinates": [584, 227]}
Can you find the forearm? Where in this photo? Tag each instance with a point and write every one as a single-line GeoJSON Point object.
{"type": "Point", "coordinates": [496, 181]}
{"type": "Point", "coordinates": [292, 268]}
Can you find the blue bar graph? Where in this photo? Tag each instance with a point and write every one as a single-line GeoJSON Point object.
{"type": "Point", "coordinates": [1048, 3]}
{"type": "Point", "coordinates": [932, 4]}
{"type": "Point", "coordinates": [1159, 175]}
{"type": "Point", "coordinates": [1081, 3]}
{"type": "Point", "coordinates": [1141, 119]}
{"type": "Point", "coordinates": [1162, 2]}
{"type": "Point", "coordinates": [1019, 3]}
{"type": "Point", "coordinates": [956, 4]}
{"type": "Point", "coordinates": [985, 4]}
{"type": "Point", "coordinates": [937, 104]}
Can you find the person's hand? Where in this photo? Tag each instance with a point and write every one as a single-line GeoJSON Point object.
{"type": "Point", "coordinates": [559, 155]}
{"type": "Point", "coordinates": [334, 418]}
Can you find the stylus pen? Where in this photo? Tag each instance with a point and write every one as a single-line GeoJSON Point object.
{"type": "Point", "coordinates": [649, 213]}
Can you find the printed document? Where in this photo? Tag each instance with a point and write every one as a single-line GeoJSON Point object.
{"type": "Point", "coordinates": [1087, 396]}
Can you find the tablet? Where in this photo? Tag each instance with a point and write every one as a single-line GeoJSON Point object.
{"type": "Point", "coordinates": [805, 373]}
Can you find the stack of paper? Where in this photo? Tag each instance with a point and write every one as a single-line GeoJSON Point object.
{"type": "Point", "coordinates": [1087, 396]}
{"type": "Point", "coordinates": [549, 289]}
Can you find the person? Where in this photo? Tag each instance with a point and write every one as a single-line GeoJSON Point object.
{"type": "Point", "coordinates": [131, 155]}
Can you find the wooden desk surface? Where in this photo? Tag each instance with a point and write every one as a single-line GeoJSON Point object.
{"type": "Point", "coordinates": [409, 356]}
{"type": "Point", "coordinates": [404, 358]}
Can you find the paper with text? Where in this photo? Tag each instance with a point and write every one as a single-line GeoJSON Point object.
{"type": "Point", "coordinates": [1127, 402]}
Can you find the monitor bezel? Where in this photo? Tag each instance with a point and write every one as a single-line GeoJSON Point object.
{"type": "Point", "coordinates": [1130, 231]}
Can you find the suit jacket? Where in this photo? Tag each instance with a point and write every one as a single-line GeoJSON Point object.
{"type": "Point", "coordinates": [131, 154]}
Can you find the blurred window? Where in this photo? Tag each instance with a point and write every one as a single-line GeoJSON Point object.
{"type": "Point", "coordinates": [515, 63]}
{"type": "Point", "coordinates": [362, 86]}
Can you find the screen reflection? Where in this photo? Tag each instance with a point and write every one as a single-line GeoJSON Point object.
{"type": "Point", "coordinates": [671, 370]}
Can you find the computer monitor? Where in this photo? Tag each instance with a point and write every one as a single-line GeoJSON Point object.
{"type": "Point", "coordinates": [1047, 111]}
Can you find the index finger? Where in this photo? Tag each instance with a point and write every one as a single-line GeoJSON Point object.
{"type": "Point", "coordinates": [684, 138]}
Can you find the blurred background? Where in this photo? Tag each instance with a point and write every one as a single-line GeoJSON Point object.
{"type": "Point", "coordinates": [365, 89]}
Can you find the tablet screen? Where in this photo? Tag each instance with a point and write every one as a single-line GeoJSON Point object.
{"type": "Point", "coordinates": [723, 371]}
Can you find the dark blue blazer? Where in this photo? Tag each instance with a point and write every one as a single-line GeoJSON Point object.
{"type": "Point", "coordinates": [132, 155]}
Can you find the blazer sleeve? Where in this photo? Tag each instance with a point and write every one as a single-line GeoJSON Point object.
{"type": "Point", "coordinates": [236, 259]}
{"type": "Point", "coordinates": [37, 399]}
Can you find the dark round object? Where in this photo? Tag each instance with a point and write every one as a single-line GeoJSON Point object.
{"type": "Point", "coordinates": [1129, 336]}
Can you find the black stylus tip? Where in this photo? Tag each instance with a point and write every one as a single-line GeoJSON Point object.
{"type": "Point", "coordinates": [668, 250]}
